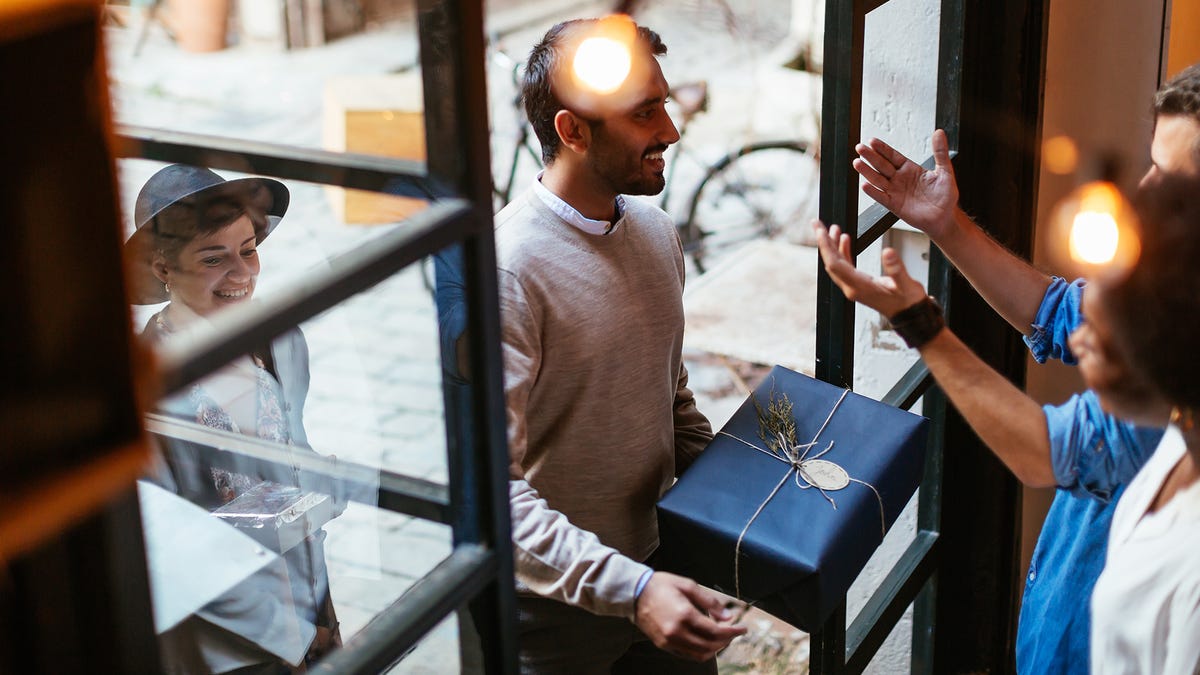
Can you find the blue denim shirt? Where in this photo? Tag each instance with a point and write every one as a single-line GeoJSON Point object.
{"type": "Point", "coordinates": [1093, 456]}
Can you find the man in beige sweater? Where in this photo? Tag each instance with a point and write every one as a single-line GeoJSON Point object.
{"type": "Point", "coordinates": [600, 416]}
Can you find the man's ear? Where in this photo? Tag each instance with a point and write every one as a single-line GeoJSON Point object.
{"type": "Point", "coordinates": [573, 131]}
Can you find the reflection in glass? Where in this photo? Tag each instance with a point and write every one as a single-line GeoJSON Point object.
{"type": "Point", "coordinates": [196, 248]}
{"type": "Point", "coordinates": [265, 88]}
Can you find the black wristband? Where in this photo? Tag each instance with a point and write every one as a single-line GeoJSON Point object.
{"type": "Point", "coordinates": [919, 323]}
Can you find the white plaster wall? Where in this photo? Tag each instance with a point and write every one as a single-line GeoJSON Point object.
{"type": "Point", "coordinates": [899, 92]}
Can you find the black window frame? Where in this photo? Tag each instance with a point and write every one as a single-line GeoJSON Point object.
{"type": "Point", "coordinates": [457, 179]}
{"type": "Point", "coordinates": [959, 572]}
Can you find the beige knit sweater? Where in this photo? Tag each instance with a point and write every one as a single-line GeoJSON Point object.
{"type": "Point", "coordinates": [600, 417]}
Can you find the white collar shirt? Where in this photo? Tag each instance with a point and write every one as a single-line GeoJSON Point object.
{"type": "Point", "coordinates": [573, 216]}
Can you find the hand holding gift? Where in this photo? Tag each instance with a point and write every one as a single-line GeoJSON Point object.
{"type": "Point", "coordinates": [683, 618]}
{"type": "Point", "coordinates": [792, 497]}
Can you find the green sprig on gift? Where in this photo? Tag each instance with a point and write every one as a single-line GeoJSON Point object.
{"type": "Point", "coordinates": [776, 424]}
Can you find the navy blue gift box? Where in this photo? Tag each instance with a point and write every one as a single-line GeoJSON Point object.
{"type": "Point", "coordinates": [799, 554]}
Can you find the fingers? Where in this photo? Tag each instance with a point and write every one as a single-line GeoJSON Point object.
{"type": "Point", "coordinates": [893, 265]}
{"type": "Point", "coordinates": [894, 156]}
{"type": "Point", "coordinates": [711, 610]}
{"type": "Point", "coordinates": [833, 244]}
{"type": "Point", "coordinates": [702, 637]}
{"type": "Point", "coordinates": [876, 171]}
{"type": "Point", "coordinates": [825, 245]}
{"type": "Point", "coordinates": [714, 632]}
{"type": "Point", "coordinates": [698, 637]}
{"type": "Point", "coordinates": [684, 618]}
{"type": "Point", "coordinates": [707, 602]}
{"type": "Point", "coordinates": [843, 242]}
{"type": "Point", "coordinates": [881, 197]}
{"type": "Point", "coordinates": [879, 163]}
{"type": "Point", "coordinates": [892, 159]}
{"type": "Point", "coordinates": [829, 244]}
{"type": "Point", "coordinates": [881, 166]}
{"type": "Point", "coordinates": [941, 151]}
{"type": "Point", "coordinates": [868, 172]}
{"type": "Point", "coordinates": [906, 289]}
{"type": "Point", "coordinates": [838, 263]}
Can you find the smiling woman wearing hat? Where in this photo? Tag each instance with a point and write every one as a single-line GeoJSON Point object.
{"type": "Point", "coordinates": [196, 248]}
{"type": "Point", "coordinates": [182, 205]}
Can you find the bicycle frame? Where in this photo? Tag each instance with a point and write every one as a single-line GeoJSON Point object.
{"type": "Point", "coordinates": [504, 192]}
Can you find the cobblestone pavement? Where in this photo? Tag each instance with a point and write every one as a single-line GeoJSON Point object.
{"type": "Point", "coordinates": [376, 389]}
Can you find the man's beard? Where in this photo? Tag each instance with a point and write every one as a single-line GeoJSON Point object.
{"type": "Point", "coordinates": [642, 184]}
{"type": "Point", "coordinates": [622, 176]}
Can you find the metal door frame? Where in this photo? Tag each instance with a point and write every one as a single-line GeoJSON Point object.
{"type": "Point", "coordinates": [1007, 54]}
{"type": "Point", "coordinates": [457, 178]}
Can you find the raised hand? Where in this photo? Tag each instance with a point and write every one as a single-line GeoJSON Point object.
{"type": "Point", "coordinates": [924, 199]}
{"type": "Point", "coordinates": [684, 618]}
{"type": "Point", "coordinates": [887, 294]}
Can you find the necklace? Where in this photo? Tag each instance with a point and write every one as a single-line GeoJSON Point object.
{"type": "Point", "coordinates": [160, 320]}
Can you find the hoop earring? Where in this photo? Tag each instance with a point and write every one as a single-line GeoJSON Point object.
{"type": "Point", "coordinates": [1184, 418]}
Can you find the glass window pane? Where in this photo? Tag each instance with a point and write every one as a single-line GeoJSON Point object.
{"type": "Point", "coordinates": [343, 81]}
{"type": "Point", "coordinates": [261, 516]}
{"type": "Point", "coordinates": [439, 652]}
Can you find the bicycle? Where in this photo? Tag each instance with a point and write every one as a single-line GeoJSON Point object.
{"type": "Point", "coordinates": [524, 141]}
{"type": "Point", "coordinates": [737, 198]}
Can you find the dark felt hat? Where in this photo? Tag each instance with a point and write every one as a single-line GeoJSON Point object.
{"type": "Point", "coordinates": [179, 191]}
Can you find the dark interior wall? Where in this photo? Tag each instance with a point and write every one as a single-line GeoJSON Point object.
{"type": "Point", "coordinates": [1101, 99]}
{"type": "Point", "coordinates": [1003, 65]}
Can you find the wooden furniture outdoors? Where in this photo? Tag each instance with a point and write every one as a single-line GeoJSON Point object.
{"type": "Point", "coordinates": [374, 115]}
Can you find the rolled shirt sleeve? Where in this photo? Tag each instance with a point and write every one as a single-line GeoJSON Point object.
{"type": "Point", "coordinates": [1091, 452]}
{"type": "Point", "coordinates": [1059, 314]}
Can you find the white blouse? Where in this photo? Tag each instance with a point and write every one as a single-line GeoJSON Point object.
{"type": "Point", "coordinates": [1146, 605]}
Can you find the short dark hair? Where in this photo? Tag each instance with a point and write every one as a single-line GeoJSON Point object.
{"type": "Point", "coordinates": [537, 93]}
{"type": "Point", "coordinates": [1155, 309]}
{"type": "Point", "coordinates": [199, 216]}
{"type": "Point", "coordinates": [1181, 96]}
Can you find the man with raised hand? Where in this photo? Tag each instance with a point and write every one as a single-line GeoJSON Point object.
{"type": "Point", "coordinates": [1076, 447]}
{"type": "Point", "coordinates": [600, 418]}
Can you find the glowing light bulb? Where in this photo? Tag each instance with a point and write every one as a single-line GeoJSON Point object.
{"type": "Point", "coordinates": [1094, 238]}
{"type": "Point", "coordinates": [1095, 231]}
{"type": "Point", "coordinates": [602, 64]}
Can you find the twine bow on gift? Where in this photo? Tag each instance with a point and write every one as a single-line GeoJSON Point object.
{"type": "Point", "coordinates": [778, 430]}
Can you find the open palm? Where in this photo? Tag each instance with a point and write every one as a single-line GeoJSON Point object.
{"type": "Point", "coordinates": [925, 199]}
{"type": "Point", "coordinates": [888, 294]}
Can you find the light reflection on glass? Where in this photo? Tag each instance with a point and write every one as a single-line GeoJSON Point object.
{"type": "Point", "coordinates": [1060, 155]}
{"type": "Point", "coordinates": [602, 64]}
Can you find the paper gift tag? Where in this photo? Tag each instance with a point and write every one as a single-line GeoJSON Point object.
{"type": "Point", "coordinates": [825, 474]}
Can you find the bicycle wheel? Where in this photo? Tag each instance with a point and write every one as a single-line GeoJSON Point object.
{"type": "Point", "coordinates": [766, 189]}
